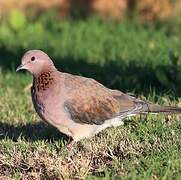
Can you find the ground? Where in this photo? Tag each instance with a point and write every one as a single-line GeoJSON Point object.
{"type": "Point", "coordinates": [146, 147]}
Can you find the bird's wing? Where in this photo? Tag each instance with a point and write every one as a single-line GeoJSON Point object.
{"type": "Point", "coordinates": [92, 103]}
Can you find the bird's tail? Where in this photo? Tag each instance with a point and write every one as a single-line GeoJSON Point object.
{"type": "Point", "coordinates": [153, 108]}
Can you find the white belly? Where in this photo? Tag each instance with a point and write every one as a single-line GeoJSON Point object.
{"type": "Point", "coordinates": [81, 131]}
{"type": "Point", "coordinates": [118, 121]}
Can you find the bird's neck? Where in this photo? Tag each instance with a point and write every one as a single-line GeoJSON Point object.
{"type": "Point", "coordinates": [44, 80]}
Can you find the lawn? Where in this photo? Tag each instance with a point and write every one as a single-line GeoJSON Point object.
{"type": "Point", "coordinates": [146, 147]}
{"type": "Point", "coordinates": [142, 59]}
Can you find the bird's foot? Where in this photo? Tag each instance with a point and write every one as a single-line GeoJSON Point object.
{"type": "Point", "coordinates": [70, 148]}
{"type": "Point", "coordinates": [70, 145]}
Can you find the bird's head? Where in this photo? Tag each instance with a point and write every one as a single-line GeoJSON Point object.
{"type": "Point", "coordinates": [36, 62]}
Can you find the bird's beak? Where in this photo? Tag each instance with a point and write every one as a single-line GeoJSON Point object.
{"type": "Point", "coordinates": [20, 67]}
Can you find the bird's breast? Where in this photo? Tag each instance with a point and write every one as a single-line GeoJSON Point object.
{"type": "Point", "coordinates": [49, 106]}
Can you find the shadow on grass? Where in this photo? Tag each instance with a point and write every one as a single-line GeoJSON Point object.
{"type": "Point", "coordinates": [31, 132]}
{"type": "Point", "coordinates": [121, 75]}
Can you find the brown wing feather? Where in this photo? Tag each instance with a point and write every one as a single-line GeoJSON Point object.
{"type": "Point", "coordinates": [92, 103]}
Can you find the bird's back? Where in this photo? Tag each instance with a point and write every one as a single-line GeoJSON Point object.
{"type": "Point", "coordinates": [92, 103]}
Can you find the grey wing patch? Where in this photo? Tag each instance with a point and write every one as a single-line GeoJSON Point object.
{"type": "Point", "coordinates": [131, 106]}
{"type": "Point", "coordinates": [140, 107]}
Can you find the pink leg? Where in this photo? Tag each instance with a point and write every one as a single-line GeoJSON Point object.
{"type": "Point", "coordinates": [70, 145]}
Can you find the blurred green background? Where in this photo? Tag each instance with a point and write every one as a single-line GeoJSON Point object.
{"type": "Point", "coordinates": [135, 49]}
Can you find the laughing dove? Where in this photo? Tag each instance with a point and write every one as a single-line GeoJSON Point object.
{"type": "Point", "coordinates": [77, 106]}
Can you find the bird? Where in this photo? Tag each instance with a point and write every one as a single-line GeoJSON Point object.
{"type": "Point", "coordinates": [78, 106]}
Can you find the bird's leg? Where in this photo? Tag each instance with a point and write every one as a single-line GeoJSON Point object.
{"type": "Point", "coordinates": [70, 145]}
{"type": "Point", "coordinates": [70, 148]}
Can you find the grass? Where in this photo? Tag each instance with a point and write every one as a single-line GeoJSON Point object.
{"type": "Point", "coordinates": [115, 53]}
{"type": "Point", "coordinates": [146, 147]}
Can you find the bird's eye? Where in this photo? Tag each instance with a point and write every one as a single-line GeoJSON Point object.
{"type": "Point", "coordinates": [32, 58]}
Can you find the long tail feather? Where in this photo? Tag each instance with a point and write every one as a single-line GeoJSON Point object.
{"type": "Point", "coordinates": [162, 109]}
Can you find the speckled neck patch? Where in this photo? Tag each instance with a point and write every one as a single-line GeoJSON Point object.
{"type": "Point", "coordinates": [43, 81]}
